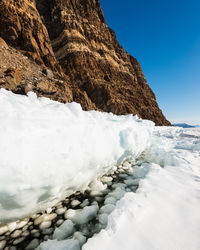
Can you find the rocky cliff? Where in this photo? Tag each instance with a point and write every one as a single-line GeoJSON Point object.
{"type": "Point", "coordinates": [75, 56]}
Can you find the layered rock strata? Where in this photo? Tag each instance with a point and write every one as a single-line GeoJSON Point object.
{"type": "Point", "coordinates": [73, 40]}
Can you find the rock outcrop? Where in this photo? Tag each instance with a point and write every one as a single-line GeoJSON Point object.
{"type": "Point", "coordinates": [73, 40]}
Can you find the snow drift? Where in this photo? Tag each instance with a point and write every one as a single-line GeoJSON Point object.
{"type": "Point", "coordinates": [164, 212]}
{"type": "Point", "coordinates": [49, 150]}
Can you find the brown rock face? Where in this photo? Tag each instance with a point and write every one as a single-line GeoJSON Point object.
{"type": "Point", "coordinates": [73, 39]}
{"type": "Point", "coordinates": [21, 27]}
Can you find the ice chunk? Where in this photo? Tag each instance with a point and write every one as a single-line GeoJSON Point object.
{"type": "Point", "coordinates": [33, 244]}
{"type": "Point", "coordinates": [45, 224]}
{"type": "Point", "coordinates": [107, 209]}
{"type": "Point", "coordinates": [80, 237]}
{"type": "Point", "coordinates": [82, 216]}
{"type": "Point", "coordinates": [70, 244]}
{"type": "Point", "coordinates": [85, 203]}
{"type": "Point", "coordinates": [103, 219]}
{"type": "Point", "coordinates": [110, 200]}
{"type": "Point", "coordinates": [132, 182]}
{"type": "Point", "coordinates": [118, 193]}
{"type": "Point", "coordinates": [140, 172]}
{"type": "Point", "coordinates": [64, 231]}
{"type": "Point", "coordinates": [106, 179]}
{"type": "Point", "coordinates": [44, 218]}
{"type": "Point", "coordinates": [75, 203]}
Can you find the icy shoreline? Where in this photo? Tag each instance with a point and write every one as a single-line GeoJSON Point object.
{"type": "Point", "coordinates": [164, 212]}
{"type": "Point", "coordinates": [50, 150]}
{"type": "Point", "coordinates": [58, 223]}
{"type": "Point", "coordinates": [167, 199]}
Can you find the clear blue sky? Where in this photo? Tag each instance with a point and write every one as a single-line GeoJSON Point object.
{"type": "Point", "coordinates": [164, 35]}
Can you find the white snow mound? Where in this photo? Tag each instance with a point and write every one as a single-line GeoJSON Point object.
{"type": "Point", "coordinates": [164, 212]}
{"type": "Point", "coordinates": [49, 150]}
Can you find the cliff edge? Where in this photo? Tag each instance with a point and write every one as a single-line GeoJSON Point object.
{"type": "Point", "coordinates": [64, 50]}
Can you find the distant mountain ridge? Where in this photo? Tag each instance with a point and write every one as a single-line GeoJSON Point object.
{"type": "Point", "coordinates": [185, 125]}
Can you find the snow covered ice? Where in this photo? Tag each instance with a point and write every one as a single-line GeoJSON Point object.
{"type": "Point", "coordinates": [49, 150]}
{"type": "Point", "coordinates": [164, 212]}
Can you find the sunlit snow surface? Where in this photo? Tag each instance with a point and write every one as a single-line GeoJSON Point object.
{"type": "Point", "coordinates": [164, 213]}
{"type": "Point", "coordinates": [49, 150]}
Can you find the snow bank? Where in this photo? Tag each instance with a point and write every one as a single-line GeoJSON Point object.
{"type": "Point", "coordinates": [49, 150]}
{"type": "Point", "coordinates": [164, 212]}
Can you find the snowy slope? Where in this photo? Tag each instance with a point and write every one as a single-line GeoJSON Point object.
{"type": "Point", "coordinates": [49, 149]}
{"type": "Point", "coordinates": [164, 213]}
